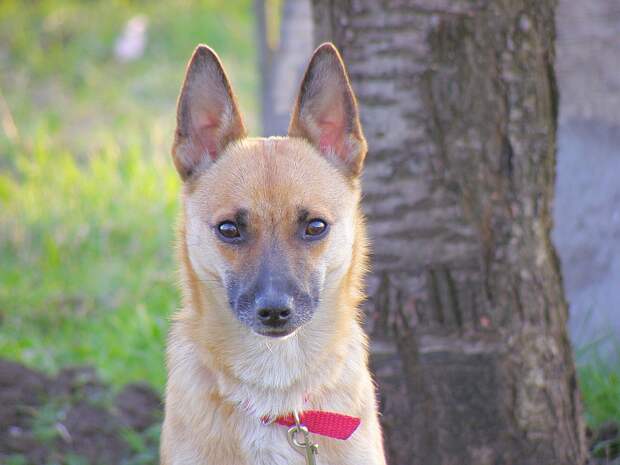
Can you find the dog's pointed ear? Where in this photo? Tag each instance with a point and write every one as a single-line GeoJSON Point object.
{"type": "Point", "coordinates": [326, 112]}
{"type": "Point", "coordinates": [208, 117]}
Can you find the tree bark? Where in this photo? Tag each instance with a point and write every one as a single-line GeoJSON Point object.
{"type": "Point", "coordinates": [282, 64]}
{"type": "Point", "coordinates": [466, 309]}
{"type": "Point", "coordinates": [265, 66]}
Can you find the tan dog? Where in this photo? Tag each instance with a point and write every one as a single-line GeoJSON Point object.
{"type": "Point", "coordinates": [272, 250]}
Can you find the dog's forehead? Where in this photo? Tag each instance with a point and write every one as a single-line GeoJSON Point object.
{"type": "Point", "coordinates": [273, 174]}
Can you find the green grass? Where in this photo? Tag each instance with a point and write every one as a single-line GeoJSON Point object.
{"type": "Point", "coordinates": [599, 382]}
{"type": "Point", "coordinates": [88, 194]}
{"type": "Point", "coordinates": [58, 71]}
{"type": "Point", "coordinates": [87, 273]}
{"type": "Point", "coordinates": [600, 389]}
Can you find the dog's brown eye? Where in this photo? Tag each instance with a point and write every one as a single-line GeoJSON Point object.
{"type": "Point", "coordinates": [229, 230]}
{"type": "Point", "coordinates": [315, 228]}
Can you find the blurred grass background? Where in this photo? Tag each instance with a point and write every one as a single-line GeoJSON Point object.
{"type": "Point", "coordinates": [88, 194]}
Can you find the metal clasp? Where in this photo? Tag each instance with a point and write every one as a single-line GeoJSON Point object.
{"type": "Point", "coordinates": [307, 448]}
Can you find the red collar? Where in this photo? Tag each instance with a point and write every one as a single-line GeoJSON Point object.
{"type": "Point", "coordinates": [330, 424]}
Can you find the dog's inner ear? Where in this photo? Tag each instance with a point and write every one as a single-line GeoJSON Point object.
{"type": "Point", "coordinates": [208, 117]}
{"type": "Point", "coordinates": [326, 112]}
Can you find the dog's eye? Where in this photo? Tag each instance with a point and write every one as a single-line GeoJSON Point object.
{"type": "Point", "coordinates": [229, 230]}
{"type": "Point", "coordinates": [315, 229]}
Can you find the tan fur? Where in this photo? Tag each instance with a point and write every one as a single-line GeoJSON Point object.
{"type": "Point", "coordinates": [223, 378]}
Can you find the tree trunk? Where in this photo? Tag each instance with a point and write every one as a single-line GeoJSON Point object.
{"type": "Point", "coordinates": [265, 65]}
{"type": "Point", "coordinates": [459, 105]}
{"type": "Point", "coordinates": [281, 62]}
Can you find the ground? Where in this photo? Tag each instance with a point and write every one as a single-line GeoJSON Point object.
{"type": "Point", "coordinates": [75, 419]}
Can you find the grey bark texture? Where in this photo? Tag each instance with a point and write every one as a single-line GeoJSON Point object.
{"type": "Point", "coordinates": [466, 306]}
{"type": "Point", "coordinates": [281, 69]}
{"type": "Point", "coordinates": [265, 65]}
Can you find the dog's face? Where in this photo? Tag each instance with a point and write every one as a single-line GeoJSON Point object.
{"type": "Point", "coordinates": [269, 223]}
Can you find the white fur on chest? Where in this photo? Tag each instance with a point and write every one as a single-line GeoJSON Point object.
{"type": "Point", "coordinates": [269, 445]}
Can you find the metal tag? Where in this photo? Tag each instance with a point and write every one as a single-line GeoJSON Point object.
{"type": "Point", "coordinates": [307, 448]}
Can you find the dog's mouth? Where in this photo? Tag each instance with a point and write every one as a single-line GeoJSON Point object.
{"type": "Point", "coordinates": [277, 333]}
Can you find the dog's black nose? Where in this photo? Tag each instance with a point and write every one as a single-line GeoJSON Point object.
{"type": "Point", "coordinates": [274, 316]}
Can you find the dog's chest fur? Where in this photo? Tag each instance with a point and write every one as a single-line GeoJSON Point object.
{"type": "Point", "coordinates": [225, 417]}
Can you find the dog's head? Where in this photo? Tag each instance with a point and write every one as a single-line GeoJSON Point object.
{"type": "Point", "coordinates": [270, 224]}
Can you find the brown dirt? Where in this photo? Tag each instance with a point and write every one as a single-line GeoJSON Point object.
{"type": "Point", "coordinates": [74, 417]}
{"type": "Point", "coordinates": [88, 420]}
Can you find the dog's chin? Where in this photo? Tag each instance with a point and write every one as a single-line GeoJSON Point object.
{"type": "Point", "coordinates": [273, 333]}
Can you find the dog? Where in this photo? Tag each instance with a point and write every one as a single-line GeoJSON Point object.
{"type": "Point", "coordinates": [272, 251]}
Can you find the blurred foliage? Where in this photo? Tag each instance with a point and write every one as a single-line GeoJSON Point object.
{"type": "Point", "coordinates": [599, 382]}
{"type": "Point", "coordinates": [58, 70]}
{"type": "Point", "coordinates": [144, 445]}
{"type": "Point", "coordinates": [87, 271]}
{"type": "Point", "coordinates": [88, 195]}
